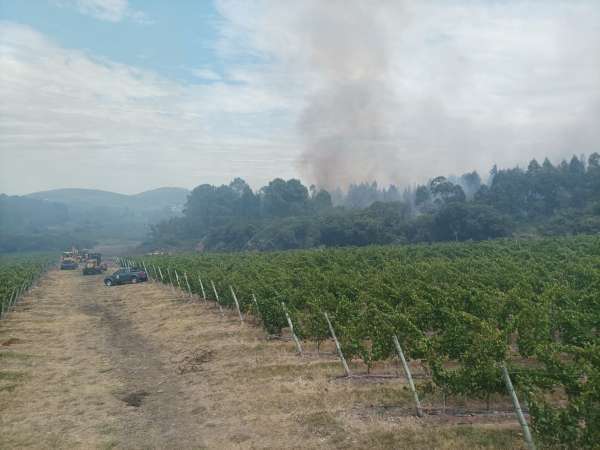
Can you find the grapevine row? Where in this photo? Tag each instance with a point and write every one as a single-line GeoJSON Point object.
{"type": "Point", "coordinates": [17, 275]}
{"type": "Point", "coordinates": [463, 310]}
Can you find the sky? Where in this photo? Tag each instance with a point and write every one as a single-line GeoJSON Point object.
{"type": "Point", "coordinates": [130, 95]}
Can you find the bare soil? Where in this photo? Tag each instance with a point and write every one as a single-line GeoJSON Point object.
{"type": "Point", "coordinates": [140, 366]}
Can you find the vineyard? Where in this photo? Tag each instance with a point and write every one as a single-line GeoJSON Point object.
{"type": "Point", "coordinates": [18, 274]}
{"type": "Point", "coordinates": [469, 314]}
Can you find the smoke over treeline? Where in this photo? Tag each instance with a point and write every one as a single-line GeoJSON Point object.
{"type": "Point", "coordinates": [348, 124]}
{"type": "Point", "coordinates": [545, 199]}
{"type": "Point", "coordinates": [400, 91]}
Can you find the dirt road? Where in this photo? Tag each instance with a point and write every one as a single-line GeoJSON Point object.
{"type": "Point", "coordinates": [138, 366]}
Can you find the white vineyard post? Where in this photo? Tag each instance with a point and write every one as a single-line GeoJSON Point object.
{"type": "Point", "coordinates": [237, 304]}
{"type": "Point", "coordinates": [21, 292]}
{"type": "Point", "coordinates": [187, 283]}
{"type": "Point", "coordinates": [338, 347]}
{"type": "Point", "coordinates": [257, 308]}
{"type": "Point", "coordinates": [162, 279]}
{"type": "Point", "coordinates": [17, 296]}
{"type": "Point", "coordinates": [172, 278]}
{"type": "Point", "coordinates": [217, 297]}
{"type": "Point", "coordinates": [408, 376]}
{"type": "Point", "coordinates": [202, 288]}
{"type": "Point", "coordinates": [291, 325]}
{"type": "Point", "coordinates": [11, 299]}
{"type": "Point", "coordinates": [171, 281]}
{"type": "Point", "coordinates": [148, 274]}
{"type": "Point", "coordinates": [517, 406]}
{"type": "Point", "coordinates": [178, 283]}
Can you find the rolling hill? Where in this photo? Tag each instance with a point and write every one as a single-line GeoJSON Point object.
{"type": "Point", "coordinates": [155, 199]}
{"type": "Point", "coordinates": [50, 220]}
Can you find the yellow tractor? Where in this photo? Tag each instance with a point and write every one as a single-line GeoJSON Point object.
{"type": "Point", "coordinates": [93, 264]}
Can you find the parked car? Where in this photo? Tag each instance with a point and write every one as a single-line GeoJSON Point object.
{"type": "Point", "coordinates": [126, 275]}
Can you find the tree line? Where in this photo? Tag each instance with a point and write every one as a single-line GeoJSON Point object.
{"type": "Point", "coordinates": [285, 214]}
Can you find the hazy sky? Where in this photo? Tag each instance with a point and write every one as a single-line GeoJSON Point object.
{"type": "Point", "coordinates": [132, 95]}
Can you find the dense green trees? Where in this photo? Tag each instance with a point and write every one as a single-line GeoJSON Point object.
{"type": "Point", "coordinates": [543, 199]}
{"type": "Point", "coordinates": [543, 190]}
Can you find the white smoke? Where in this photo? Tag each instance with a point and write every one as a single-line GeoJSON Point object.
{"type": "Point", "coordinates": [400, 91]}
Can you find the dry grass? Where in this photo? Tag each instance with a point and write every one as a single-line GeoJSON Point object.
{"type": "Point", "coordinates": [137, 367]}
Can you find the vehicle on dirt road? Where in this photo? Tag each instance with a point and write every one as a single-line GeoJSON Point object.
{"type": "Point", "coordinates": [68, 261]}
{"type": "Point", "coordinates": [68, 264]}
{"type": "Point", "coordinates": [93, 264]}
{"type": "Point", "coordinates": [126, 275]}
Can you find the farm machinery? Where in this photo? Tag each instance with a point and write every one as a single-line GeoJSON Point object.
{"type": "Point", "coordinates": [68, 260]}
{"type": "Point", "coordinates": [93, 264]}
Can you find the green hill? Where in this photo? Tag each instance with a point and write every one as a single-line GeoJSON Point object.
{"type": "Point", "coordinates": [155, 199]}
{"type": "Point", "coordinates": [57, 218]}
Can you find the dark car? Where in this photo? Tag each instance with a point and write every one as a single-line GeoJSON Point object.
{"type": "Point", "coordinates": [126, 275]}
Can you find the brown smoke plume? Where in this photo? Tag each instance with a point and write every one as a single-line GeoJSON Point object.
{"type": "Point", "coordinates": [348, 125]}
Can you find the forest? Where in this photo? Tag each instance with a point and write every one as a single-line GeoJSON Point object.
{"type": "Point", "coordinates": [544, 199]}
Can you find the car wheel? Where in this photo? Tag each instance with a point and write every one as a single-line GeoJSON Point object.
{"type": "Point", "coordinates": [108, 282]}
{"type": "Point", "coordinates": [134, 280]}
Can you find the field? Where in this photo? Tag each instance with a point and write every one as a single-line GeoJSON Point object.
{"type": "Point", "coordinates": [158, 365]}
{"type": "Point", "coordinates": [462, 311]}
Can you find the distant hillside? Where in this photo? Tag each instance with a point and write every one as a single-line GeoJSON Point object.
{"type": "Point", "coordinates": [22, 213]}
{"type": "Point", "coordinates": [91, 197]}
{"type": "Point", "coordinates": [155, 199]}
{"type": "Point", "coordinates": [168, 195]}
{"type": "Point", "coordinates": [58, 218]}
